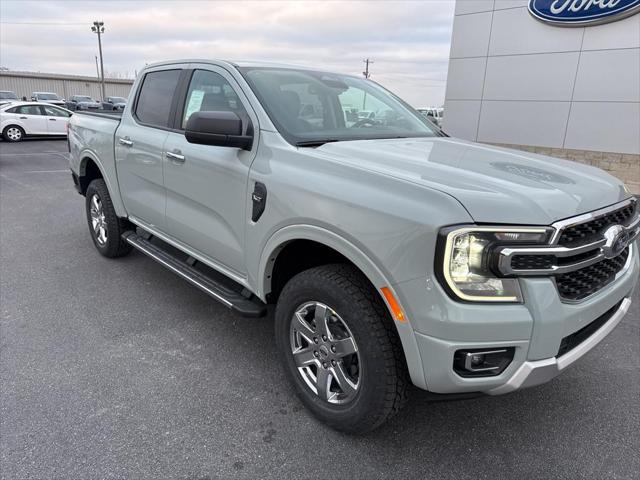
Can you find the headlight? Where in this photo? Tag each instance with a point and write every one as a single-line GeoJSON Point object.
{"type": "Point", "coordinates": [467, 261]}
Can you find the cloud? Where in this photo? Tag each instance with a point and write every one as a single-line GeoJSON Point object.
{"type": "Point", "coordinates": [408, 40]}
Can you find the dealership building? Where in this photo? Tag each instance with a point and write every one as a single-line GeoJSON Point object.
{"type": "Point", "coordinates": [557, 77]}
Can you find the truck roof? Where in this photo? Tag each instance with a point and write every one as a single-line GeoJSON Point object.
{"type": "Point", "coordinates": [235, 63]}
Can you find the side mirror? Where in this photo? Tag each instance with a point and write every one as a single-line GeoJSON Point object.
{"type": "Point", "coordinates": [222, 129]}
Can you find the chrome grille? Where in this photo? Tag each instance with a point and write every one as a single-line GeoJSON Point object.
{"type": "Point", "coordinates": [582, 255]}
{"type": "Point", "coordinates": [592, 230]}
{"type": "Point", "coordinates": [581, 283]}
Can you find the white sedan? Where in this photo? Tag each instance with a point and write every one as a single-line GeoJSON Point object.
{"type": "Point", "coordinates": [19, 119]}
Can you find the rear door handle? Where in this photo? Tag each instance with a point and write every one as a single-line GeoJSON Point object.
{"type": "Point", "coordinates": [125, 141]}
{"type": "Point", "coordinates": [52, 119]}
{"type": "Point", "coordinates": [175, 157]}
{"type": "Point", "coordinates": [23, 118]}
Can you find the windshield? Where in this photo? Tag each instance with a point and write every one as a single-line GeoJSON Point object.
{"type": "Point", "coordinates": [311, 108]}
{"type": "Point", "coordinates": [47, 96]}
{"type": "Point", "coordinates": [79, 98]}
{"type": "Point", "coordinates": [8, 96]}
{"type": "Point", "coordinates": [117, 99]}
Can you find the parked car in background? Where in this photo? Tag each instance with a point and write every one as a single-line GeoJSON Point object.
{"type": "Point", "coordinates": [8, 95]}
{"type": "Point", "coordinates": [83, 102]}
{"type": "Point", "coordinates": [48, 97]}
{"type": "Point", "coordinates": [114, 103]}
{"type": "Point", "coordinates": [434, 114]}
{"type": "Point", "coordinates": [21, 119]}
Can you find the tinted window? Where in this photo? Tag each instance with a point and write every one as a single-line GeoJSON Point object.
{"type": "Point", "coordinates": [209, 91]}
{"type": "Point", "coordinates": [155, 97]}
{"type": "Point", "coordinates": [29, 110]}
{"type": "Point", "coordinates": [55, 112]}
{"type": "Point", "coordinates": [308, 107]}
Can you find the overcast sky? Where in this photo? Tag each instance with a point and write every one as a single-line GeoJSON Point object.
{"type": "Point", "coordinates": [408, 40]}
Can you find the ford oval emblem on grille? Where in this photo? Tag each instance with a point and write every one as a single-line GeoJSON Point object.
{"type": "Point", "coordinates": [617, 238]}
{"type": "Point", "coordinates": [582, 12]}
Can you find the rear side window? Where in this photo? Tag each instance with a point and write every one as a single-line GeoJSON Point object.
{"type": "Point", "coordinates": [155, 97]}
{"type": "Point", "coordinates": [29, 110]}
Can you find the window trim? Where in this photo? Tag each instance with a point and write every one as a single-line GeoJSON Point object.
{"type": "Point", "coordinates": [136, 100]}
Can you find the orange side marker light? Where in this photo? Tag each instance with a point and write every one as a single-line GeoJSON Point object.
{"type": "Point", "coordinates": [396, 309]}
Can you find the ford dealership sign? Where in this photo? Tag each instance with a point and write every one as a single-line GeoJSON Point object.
{"type": "Point", "coordinates": [581, 13]}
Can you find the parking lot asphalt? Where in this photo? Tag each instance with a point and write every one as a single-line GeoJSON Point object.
{"type": "Point", "coordinates": [119, 369]}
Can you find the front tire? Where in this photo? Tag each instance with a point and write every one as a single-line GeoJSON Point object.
{"type": "Point", "coordinates": [340, 348]}
{"type": "Point", "coordinates": [13, 133]}
{"type": "Point", "coordinates": [105, 226]}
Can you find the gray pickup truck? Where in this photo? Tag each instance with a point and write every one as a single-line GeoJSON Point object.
{"type": "Point", "coordinates": [393, 253]}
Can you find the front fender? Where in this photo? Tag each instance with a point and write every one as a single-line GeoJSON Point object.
{"type": "Point", "coordinates": [279, 240]}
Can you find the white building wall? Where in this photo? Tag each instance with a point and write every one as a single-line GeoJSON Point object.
{"type": "Point", "coordinates": [515, 80]}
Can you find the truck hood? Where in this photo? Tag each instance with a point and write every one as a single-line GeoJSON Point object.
{"type": "Point", "coordinates": [495, 185]}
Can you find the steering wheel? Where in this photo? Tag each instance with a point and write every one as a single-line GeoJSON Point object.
{"type": "Point", "coordinates": [365, 122]}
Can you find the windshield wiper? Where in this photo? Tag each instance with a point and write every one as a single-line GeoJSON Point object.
{"type": "Point", "coordinates": [315, 143]}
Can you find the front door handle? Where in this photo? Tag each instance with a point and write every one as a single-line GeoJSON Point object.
{"type": "Point", "coordinates": [52, 119]}
{"type": "Point", "coordinates": [23, 118]}
{"type": "Point", "coordinates": [175, 157]}
{"type": "Point", "coordinates": [125, 141]}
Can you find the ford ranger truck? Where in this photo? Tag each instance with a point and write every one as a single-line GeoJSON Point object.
{"type": "Point", "coordinates": [393, 253]}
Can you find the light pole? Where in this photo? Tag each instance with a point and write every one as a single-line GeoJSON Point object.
{"type": "Point", "coordinates": [367, 75]}
{"type": "Point", "coordinates": [98, 27]}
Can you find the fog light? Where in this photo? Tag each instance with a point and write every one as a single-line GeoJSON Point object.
{"type": "Point", "coordinates": [482, 363]}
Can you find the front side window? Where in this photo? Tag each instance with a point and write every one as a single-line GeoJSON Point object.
{"type": "Point", "coordinates": [8, 96]}
{"type": "Point", "coordinates": [29, 110]}
{"type": "Point", "coordinates": [209, 91]}
{"type": "Point", "coordinates": [55, 112]}
{"type": "Point", "coordinates": [156, 94]}
{"type": "Point", "coordinates": [309, 107]}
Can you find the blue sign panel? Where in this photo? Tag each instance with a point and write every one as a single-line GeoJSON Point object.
{"type": "Point", "coordinates": [582, 12]}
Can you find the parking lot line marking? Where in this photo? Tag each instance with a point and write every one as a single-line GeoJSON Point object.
{"type": "Point", "coordinates": [15, 181]}
{"type": "Point", "coordinates": [30, 154]}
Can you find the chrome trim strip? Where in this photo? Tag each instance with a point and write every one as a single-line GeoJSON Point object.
{"type": "Point", "coordinates": [586, 217]}
{"type": "Point", "coordinates": [536, 372]}
{"type": "Point", "coordinates": [553, 249]}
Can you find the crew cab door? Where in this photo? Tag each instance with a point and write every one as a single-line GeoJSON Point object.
{"type": "Point", "coordinates": [207, 185]}
{"type": "Point", "coordinates": [139, 144]}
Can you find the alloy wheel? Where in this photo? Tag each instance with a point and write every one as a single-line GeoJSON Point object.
{"type": "Point", "coordinates": [98, 220]}
{"type": "Point", "coordinates": [325, 353]}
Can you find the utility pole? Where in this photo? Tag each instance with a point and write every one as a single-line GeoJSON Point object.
{"type": "Point", "coordinates": [97, 69]}
{"type": "Point", "coordinates": [366, 75]}
{"type": "Point", "coordinates": [98, 27]}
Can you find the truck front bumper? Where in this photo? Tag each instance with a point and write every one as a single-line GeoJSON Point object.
{"type": "Point", "coordinates": [535, 330]}
{"type": "Point", "coordinates": [532, 373]}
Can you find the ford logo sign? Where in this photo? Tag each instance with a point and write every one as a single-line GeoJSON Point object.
{"type": "Point", "coordinates": [580, 13]}
{"type": "Point", "coordinates": [617, 238]}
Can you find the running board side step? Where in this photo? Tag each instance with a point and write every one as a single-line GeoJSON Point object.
{"type": "Point", "coordinates": [234, 300]}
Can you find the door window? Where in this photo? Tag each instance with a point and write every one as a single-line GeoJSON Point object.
{"type": "Point", "coordinates": [55, 112]}
{"type": "Point", "coordinates": [209, 91]}
{"type": "Point", "coordinates": [155, 97]}
{"type": "Point", "coordinates": [29, 110]}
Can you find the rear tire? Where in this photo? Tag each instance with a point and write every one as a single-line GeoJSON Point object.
{"type": "Point", "coordinates": [13, 133]}
{"type": "Point", "coordinates": [376, 374]}
{"type": "Point", "coordinates": [105, 226]}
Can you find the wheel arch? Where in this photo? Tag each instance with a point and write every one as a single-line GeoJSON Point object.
{"type": "Point", "coordinates": [89, 168]}
{"type": "Point", "coordinates": [336, 247]}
